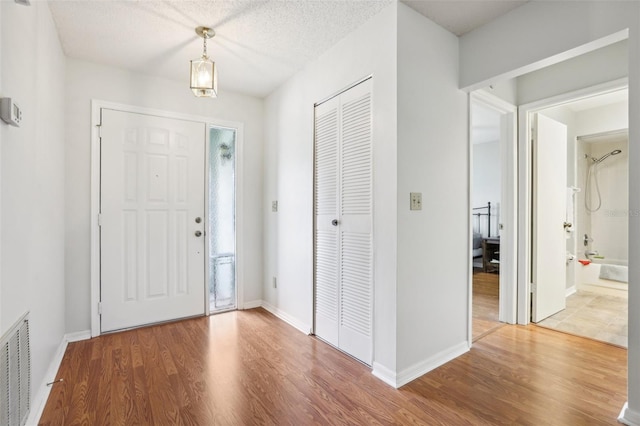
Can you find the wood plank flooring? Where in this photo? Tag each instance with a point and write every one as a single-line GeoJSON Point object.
{"type": "Point", "coordinates": [250, 368]}
{"type": "Point", "coordinates": [486, 289]}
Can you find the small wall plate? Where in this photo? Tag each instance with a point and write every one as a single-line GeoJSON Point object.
{"type": "Point", "coordinates": [10, 112]}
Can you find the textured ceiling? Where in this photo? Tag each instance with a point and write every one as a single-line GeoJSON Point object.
{"type": "Point", "coordinates": [258, 45]}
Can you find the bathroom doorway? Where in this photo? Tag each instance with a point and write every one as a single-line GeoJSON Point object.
{"type": "Point", "coordinates": [595, 228]}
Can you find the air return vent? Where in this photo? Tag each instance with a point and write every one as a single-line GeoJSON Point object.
{"type": "Point", "coordinates": [15, 374]}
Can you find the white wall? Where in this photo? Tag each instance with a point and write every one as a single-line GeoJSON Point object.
{"type": "Point", "coordinates": [539, 34]}
{"type": "Point", "coordinates": [507, 90]}
{"type": "Point", "coordinates": [603, 119]}
{"type": "Point", "coordinates": [609, 226]}
{"type": "Point", "coordinates": [533, 36]}
{"type": "Point", "coordinates": [486, 183]}
{"type": "Point", "coordinates": [433, 158]}
{"type": "Point", "coordinates": [86, 81]}
{"type": "Point", "coordinates": [606, 64]}
{"type": "Point", "coordinates": [288, 248]}
{"type": "Point", "coordinates": [32, 180]}
{"type": "Point", "coordinates": [2, 93]}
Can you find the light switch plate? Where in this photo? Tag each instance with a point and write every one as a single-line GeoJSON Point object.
{"type": "Point", "coordinates": [416, 201]}
{"type": "Point", "coordinates": [274, 206]}
{"type": "Point", "coordinates": [10, 112]}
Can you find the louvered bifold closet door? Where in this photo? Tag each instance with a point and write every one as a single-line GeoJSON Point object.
{"type": "Point", "coordinates": [343, 222]}
{"type": "Point", "coordinates": [356, 245]}
{"type": "Point", "coordinates": [326, 210]}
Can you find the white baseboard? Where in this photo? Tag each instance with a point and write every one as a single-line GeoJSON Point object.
{"type": "Point", "coordinates": [385, 374]}
{"type": "Point", "coordinates": [571, 290]}
{"type": "Point", "coordinates": [305, 328]}
{"type": "Point", "coordinates": [252, 304]}
{"type": "Point", "coordinates": [42, 395]}
{"type": "Point", "coordinates": [78, 336]}
{"type": "Point", "coordinates": [423, 367]}
{"type": "Point", "coordinates": [629, 417]}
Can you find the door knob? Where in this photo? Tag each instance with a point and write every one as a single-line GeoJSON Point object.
{"type": "Point", "coordinates": [334, 222]}
{"type": "Point", "coordinates": [198, 233]}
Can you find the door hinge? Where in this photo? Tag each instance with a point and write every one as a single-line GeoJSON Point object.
{"type": "Point", "coordinates": [99, 126]}
{"type": "Point", "coordinates": [533, 287]}
{"type": "Point", "coordinates": [99, 308]}
{"type": "Point", "coordinates": [99, 219]}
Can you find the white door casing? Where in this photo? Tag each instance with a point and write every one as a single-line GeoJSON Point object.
{"type": "Point", "coordinates": [549, 213]}
{"type": "Point", "coordinates": [508, 208]}
{"type": "Point", "coordinates": [343, 222]}
{"type": "Point", "coordinates": [152, 191]}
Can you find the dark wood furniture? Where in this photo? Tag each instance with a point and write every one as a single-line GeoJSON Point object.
{"type": "Point", "coordinates": [491, 254]}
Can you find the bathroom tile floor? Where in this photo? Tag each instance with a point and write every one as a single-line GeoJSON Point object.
{"type": "Point", "coordinates": [600, 317]}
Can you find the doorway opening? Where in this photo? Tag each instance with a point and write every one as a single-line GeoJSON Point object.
{"type": "Point", "coordinates": [485, 202]}
{"type": "Point", "coordinates": [222, 293]}
{"type": "Point", "coordinates": [493, 214]}
{"type": "Point", "coordinates": [593, 280]}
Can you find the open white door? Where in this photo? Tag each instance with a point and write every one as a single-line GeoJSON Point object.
{"type": "Point", "coordinates": [549, 213]}
{"type": "Point", "coordinates": [152, 211]}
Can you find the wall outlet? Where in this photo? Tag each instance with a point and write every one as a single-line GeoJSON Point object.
{"type": "Point", "coordinates": [274, 206]}
{"type": "Point", "coordinates": [275, 282]}
{"type": "Point", "coordinates": [416, 201]}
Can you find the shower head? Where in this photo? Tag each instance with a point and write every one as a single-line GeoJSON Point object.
{"type": "Point", "coordinates": [604, 157]}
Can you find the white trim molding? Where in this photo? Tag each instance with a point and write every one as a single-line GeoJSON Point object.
{"type": "Point", "coordinates": [419, 369]}
{"type": "Point", "coordinates": [385, 374]}
{"type": "Point", "coordinates": [294, 322]}
{"type": "Point", "coordinates": [78, 336]}
{"type": "Point", "coordinates": [96, 108]}
{"type": "Point", "coordinates": [423, 367]}
{"type": "Point", "coordinates": [509, 202]}
{"type": "Point", "coordinates": [571, 290]}
{"type": "Point", "coordinates": [43, 391]}
{"type": "Point", "coordinates": [252, 304]}
{"type": "Point", "coordinates": [629, 417]}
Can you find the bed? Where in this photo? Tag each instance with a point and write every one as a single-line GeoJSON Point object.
{"type": "Point", "coordinates": [481, 230]}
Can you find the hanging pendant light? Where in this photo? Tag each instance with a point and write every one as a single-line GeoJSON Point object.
{"type": "Point", "coordinates": [204, 74]}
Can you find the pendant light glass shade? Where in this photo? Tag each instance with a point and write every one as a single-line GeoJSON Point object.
{"type": "Point", "coordinates": [204, 74]}
{"type": "Point", "coordinates": [204, 77]}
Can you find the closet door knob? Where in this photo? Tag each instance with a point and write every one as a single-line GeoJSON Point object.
{"type": "Point", "coordinates": [334, 222]}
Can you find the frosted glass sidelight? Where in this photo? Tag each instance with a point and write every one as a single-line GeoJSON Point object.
{"type": "Point", "coordinates": [222, 224]}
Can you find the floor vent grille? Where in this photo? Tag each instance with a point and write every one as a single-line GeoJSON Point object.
{"type": "Point", "coordinates": [15, 374]}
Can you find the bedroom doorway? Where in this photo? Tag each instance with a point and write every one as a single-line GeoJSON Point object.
{"type": "Point", "coordinates": [492, 215]}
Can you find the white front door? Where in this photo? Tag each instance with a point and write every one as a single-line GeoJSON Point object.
{"type": "Point", "coordinates": [152, 219]}
{"type": "Point", "coordinates": [549, 204]}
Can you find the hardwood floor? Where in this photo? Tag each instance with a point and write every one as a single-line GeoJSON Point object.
{"type": "Point", "coordinates": [248, 367]}
{"type": "Point", "coordinates": [485, 304]}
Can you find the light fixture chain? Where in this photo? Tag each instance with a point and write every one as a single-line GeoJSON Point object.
{"type": "Point", "coordinates": [204, 54]}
